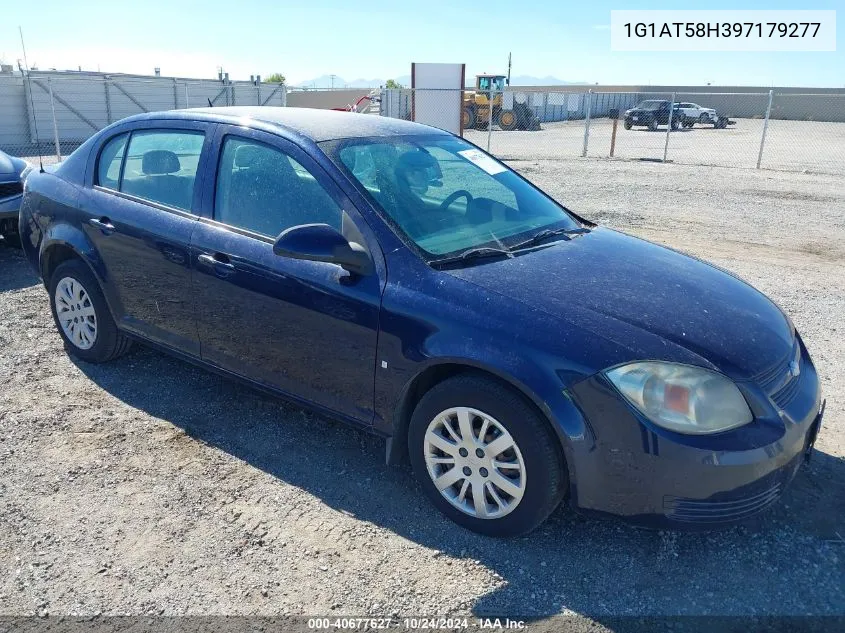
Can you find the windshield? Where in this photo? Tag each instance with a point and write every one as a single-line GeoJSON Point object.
{"type": "Point", "coordinates": [650, 105]}
{"type": "Point", "coordinates": [491, 83]}
{"type": "Point", "coordinates": [446, 195]}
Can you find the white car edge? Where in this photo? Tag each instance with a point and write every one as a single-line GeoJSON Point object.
{"type": "Point", "coordinates": [696, 112]}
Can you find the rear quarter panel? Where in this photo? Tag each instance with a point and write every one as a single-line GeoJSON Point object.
{"type": "Point", "coordinates": [50, 218]}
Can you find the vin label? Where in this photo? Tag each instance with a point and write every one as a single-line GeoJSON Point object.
{"type": "Point", "coordinates": [723, 30]}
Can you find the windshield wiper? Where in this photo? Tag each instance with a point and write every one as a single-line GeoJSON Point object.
{"type": "Point", "coordinates": [472, 253]}
{"type": "Point", "coordinates": [545, 234]}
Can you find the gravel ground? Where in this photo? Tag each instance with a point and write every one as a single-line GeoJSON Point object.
{"type": "Point", "coordinates": [811, 146]}
{"type": "Point", "coordinates": [147, 486]}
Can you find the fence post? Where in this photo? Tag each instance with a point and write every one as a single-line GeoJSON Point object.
{"type": "Point", "coordinates": [55, 125]}
{"type": "Point", "coordinates": [108, 99]}
{"type": "Point", "coordinates": [175, 95]}
{"type": "Point", "coordinates": [489, 116]}
{"type": "Point", "coordinates": [765, 128]}
{"type": "Point", "coordinates": [589, 107]}
{"type": "Point", "coordinates": [669, 127]}
{"type": "Point", "coordinates": [187, 105]}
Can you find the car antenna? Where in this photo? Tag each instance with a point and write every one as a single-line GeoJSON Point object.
{"type": "Point", "coordinates": [31, 101]}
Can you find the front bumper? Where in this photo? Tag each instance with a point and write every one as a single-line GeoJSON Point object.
{"type": "Point", "coordinates": [657, 478]}
{"type": "Point", "coordinates": [639, 119]}
{"type": "Point", "coordinates": [9, 207]}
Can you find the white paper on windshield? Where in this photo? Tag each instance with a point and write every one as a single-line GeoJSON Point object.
{"type": "Point", "coordinates": [481, 160]}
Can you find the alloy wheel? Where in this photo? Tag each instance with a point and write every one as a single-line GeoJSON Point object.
{"type": "Point", "coordinates": [474, 462]}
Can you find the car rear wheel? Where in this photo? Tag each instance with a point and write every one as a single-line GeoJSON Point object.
{"type": "Point", "coordinates": [82, 316]}
{"type": "Point", "coordinates": [652, 125]}
{"type": "Point", "coordinates": [485, 458]}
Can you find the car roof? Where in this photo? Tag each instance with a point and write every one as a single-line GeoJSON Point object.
{"type": "Point", "coordinates": [317, 125]}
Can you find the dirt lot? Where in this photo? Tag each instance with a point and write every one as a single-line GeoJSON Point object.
{"type": "Point", "coordinates": [802, 146]}
{"type": "Point", "coordinates": [147, 486]}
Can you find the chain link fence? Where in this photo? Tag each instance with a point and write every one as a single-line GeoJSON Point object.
{"type": "Point", "coordinates": [770, 130]}
{"type": "Point", "coordinates": [53, 113]}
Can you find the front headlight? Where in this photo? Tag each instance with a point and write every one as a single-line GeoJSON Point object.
{"type": "Point", "coordinates": [25, 173]}
{"type": "Point", "coordinates": [682, 398]}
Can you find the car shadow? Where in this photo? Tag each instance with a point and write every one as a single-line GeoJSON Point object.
{"type": "Point", "coordinates": [786, 561]}
{"type": "Point", "coordinates": [15, 272]}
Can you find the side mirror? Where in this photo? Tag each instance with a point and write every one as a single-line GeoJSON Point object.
{"type": "Point", "coordinates": [322, 243]}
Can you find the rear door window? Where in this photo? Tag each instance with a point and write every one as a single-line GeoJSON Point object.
{"type": "Point", "coordinates": [161, 166]}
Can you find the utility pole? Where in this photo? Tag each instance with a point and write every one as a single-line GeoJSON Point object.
{"type": "Point", "coordinates": [508, 82]}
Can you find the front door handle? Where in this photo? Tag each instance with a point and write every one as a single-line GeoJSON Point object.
{"type": "Point", "coordinates": [104, 224]}
{"type": "Point", "coordinates": [218, 261]}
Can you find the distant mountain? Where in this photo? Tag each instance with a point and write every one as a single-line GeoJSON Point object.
{"type": "Point", "coordinates": [326, 81]}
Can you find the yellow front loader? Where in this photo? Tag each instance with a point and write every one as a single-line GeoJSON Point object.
{"type": "Point", "coordinates": [477, 103]}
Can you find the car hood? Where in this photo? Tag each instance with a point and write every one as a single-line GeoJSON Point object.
{"type": "Point", "coordinates": [651, 301]}
{"type": "Point", "coordinates": [10, 167]}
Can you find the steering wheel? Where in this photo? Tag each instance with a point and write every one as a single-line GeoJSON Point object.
{"type": "Point", "coordinates": [460, 193]}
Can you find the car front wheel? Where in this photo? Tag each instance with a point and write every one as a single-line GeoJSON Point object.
{"type": "Point", "coordinates": [485, 458]}
{"type": "Point", "coordinates": [82, 316]}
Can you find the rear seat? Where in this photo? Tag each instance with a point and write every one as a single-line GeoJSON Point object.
{"type": "Point", "coordinates": [160, 181]}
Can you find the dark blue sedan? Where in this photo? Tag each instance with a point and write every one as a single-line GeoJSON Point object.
{"type": "Point", "coordinates": [399, 278]}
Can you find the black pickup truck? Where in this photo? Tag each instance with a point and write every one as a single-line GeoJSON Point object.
{"type": "Point", "coordinates": [652, 113]}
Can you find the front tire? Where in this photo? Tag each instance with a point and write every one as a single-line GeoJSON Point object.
{"type": "Point", "coordinates": [652, 125]}
{"type": "Point", "coordinates": [628, 125]}
{"type": "Point", "coordinates": [9, 231]}
{"type": "Point", "coordinates": [82, 315]}
{"type": "Point", "coordinates": [508, 120]}
{"type": "Point", "coordinates": [485, 458]}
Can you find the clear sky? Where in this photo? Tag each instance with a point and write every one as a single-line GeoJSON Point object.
{"type": "Point", "coordinates": [379, 39]}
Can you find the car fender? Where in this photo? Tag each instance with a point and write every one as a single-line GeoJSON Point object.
{"type": "Point", "coordinates": [536, 383]}
{"type": "Point", "coordinates": [65, 235]}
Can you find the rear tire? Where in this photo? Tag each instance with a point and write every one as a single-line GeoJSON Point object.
{"type": "Point", "coordinates": [468, 117]}
{"type": "Point", "coordinates": [82, 315]}
{"type": "Point", "coordinates": [652, 125]}
{"type": "Point", "coordinates": [531, 471]}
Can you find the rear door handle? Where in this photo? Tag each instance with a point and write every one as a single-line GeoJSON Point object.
{"type": "Point", "coordinates": [104, 224]}
{"type": "Point", "coordinates": [218, 261]}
